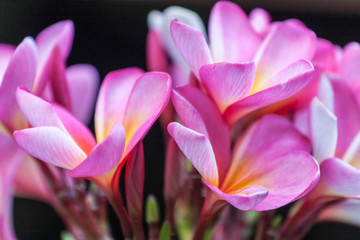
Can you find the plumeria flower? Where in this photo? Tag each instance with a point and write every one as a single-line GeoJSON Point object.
{"type": "Point", "coordinates": [273, 143]}
{"type": "Point", "coordinates": [125, 111]}
{"type": "Point", "coordinates": [238, 69]}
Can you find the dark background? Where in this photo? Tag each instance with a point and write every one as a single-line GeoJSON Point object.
{"type": "Point", "coordinates": [111, 35]}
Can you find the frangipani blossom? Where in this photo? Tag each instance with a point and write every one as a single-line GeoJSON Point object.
{"type": "Point", "coordinates": [278, 71]}
{"type": "Point", "coordinates": [257, 176]}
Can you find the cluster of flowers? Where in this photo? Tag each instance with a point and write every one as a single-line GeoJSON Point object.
{"type": "Point", "coordinates": [265, 112]}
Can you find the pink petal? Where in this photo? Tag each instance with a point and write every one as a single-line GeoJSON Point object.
{"type": "Point", "coordinates": [284, 187]}
{"type": "Point", "coordinates": [232, 38]}
{"type": "Point", "coordinates": [59, 35]}
{"type": "Point", "coordinates": [50, 145]}
{"type": "Point", "coordinates": [41, 113]}
{"type": "Point", "coordinates": [324, 133]}
{"type": "Point", "coordinates": [144, 106]}
{"type": "Point", "coordinates": [199, 113]}
{"type": "Point", "coordinates": [325, 56]}
{"type": "Point", "coordinates": [198, 150]}
{"type": "Point", "coordinates": [285, 44]}
{"type": "Point", "coordinates": [104, 156]}
{"type": "Point", "coordinates": [6, 51]}
{"type": "Point", "coordinates": [228, 83]}
{"type": "Point", "coordinates": [260, 20]}
{"type": "Point", "coordinates": [348, 68]}
{"type": "Point", "coordinates": [352, 154]}
{"type": "Point", "coordinates": [20, 71]}
{"type": "Point", "coordinates": [339, 179]}
{"type": "Point", "coordinates": [192, 45]}
{"type": "Point", "coordinates": [83, 81]}
{"type": "Point", "coordinates": [344, 212]}
{"type": "Point", "coordinates": [286, 83]}
{"type": "Point", "coordinates": [267, 140]}
{"type": "Point", "coordinates": [113, 98]}
{"type": "Point", "coordinates": [156, 59]}
{"type": "Point", "coordinates": [347, 112]}
{"type": "Point", "coordinates": [244, 199]}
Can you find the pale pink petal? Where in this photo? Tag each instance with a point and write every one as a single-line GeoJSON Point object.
{"type": "Point", "coordinates": [199, 113]}
{"type": "Point", "coordinates": [228, 82]}
{"type": "Point", "coordinates": [260, 20]}
{"type": "Point", "coordinates": [192, 45]}
{"type": "Point", "coordinates": [50, 145]}
{"type": "Point", "coordinates": [113, 98]}
{"type": "Point", "coordinates": [324, 133]}
{"type": "Point", "coordinates": [266, 140]}
{"type": "Point", "coordinates": [349, 68]}
{"type": "Point", "coordinates": [198, 150]}
{"type": "Point", "coordinates": [20, 71]}
{"type": "Point", "coordinates": [41, 113]}
{"type": "Point", "coordinates": [301, 121]}
{"type": "Point", "coordinates": [326, 93]}
{"type": "Point", "coordinates": [347, 112]}
{"type": "Point", "coordinates": [352, 154]}
{"type": "Point", "coordinates": [325, 55]}
{"type": "Point", "coordinates": [6, 51]}
{"type": "Point", "coordinates": [156, 59]}
{"type": "Point", "coordinates": [285, 44]}
{"type": "Point", "coordinates": [232, 38]}
{"type": "Point", "coordinates": [59, 35]}
{"type": "Point", "coordinates": [286, 178]}
{"type": "Point", "coordinates": [243, 199]}
{"type": "Point", "coordinates": [344, 212]}
{"type": "Point", "coordinates": [338, 179]}
{"type": "Point", "coordinates": [148, 98]}
{"type": "Point", "coordinates": [83, 81]}
{"type": "Point", "coordinates": [104, 156]}
{"type": "Point", "coordinates": [289, 81]}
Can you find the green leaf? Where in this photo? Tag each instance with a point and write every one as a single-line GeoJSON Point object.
{"type": "Point", "coordinates": [65, 235]}
{"type": "Point", "coordinates": [165, 231]}
{"type": "Point", "coordinates": [152, 210]}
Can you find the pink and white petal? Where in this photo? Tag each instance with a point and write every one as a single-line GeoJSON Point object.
{"type": "Point", "coordinates": [289, 82]}
{"type": "Point", "coordinates": [6, 51]}
{"type": "Point", "coordinates": [285, 44]}
{"type": "Point", "coordinates": [144, 106]}
{"type": "Point", "coordinates": [105, 156]}
{"type": "Point", "coordinates": [347, 112]}
{"type": "Point", "coordinates": [301, 121]}
{"type": "Point", "coordinates": [243, 199]}
{"type": "Point", "coordinates": [266, 140]}
{"type": "Point", "coordinates": [199, 113]}
{"type": "Point", "coordinates": [83, 81]}
{"type": "Point", "coordinates": [232, 38]}
{"type": "Point", "coordinates": [338, 179]}
{"type": "Point", "coordinates": [352, 154]}
{"type": "Point", "coordinates": [344, 212]}
{"type": "Point", "coordinates": [284, 187]}
{"type": "Point", "coordinates": [192, 45]}
{"type": "Point", "coordinates": [326, 93]}
{"type": "Point", "coordinates": [228, 82]}
{"type": "Point", "coordinates": [197, 148]}
{"type": "Point", "coordinates": [76, 129]}
{"type": "Point", "coordinates": [260, 20]}
{"type": "Point", "coordinates": [20, 71]}
{"type": "Point", "coordinates": [50, 145]}
{"type": "Point", "coordinates": [324, 133]}
{"type": "Point", "coordinates": [113, 98]}
{"type": "Point", "coordinates": [348, 68]}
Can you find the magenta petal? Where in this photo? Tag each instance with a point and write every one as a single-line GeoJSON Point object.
{"type": "Point", "coordinates": [284, 187]}
{"type": "Point", "coordinates": [244, 199]}
{"type": "Point", "coordinates": [20, 72]}
{"type": "Point", "coordinates": [232, 38]}
{"type": "Point", "coordinates": [192, 45]}
{"type": "Point", "coordinates": [285, 44]}
{"type": "Point", "coordinates": [113, 98]}
{"type": "Point", "coordinates": [197, 148]}
{"type": "Point", "coordinates": [83, 81]}
{"type": "Point", "coordinates": [104, 156]}
{"type": "Point", "coordinates": [198, 112]}
{"type": "Point", "coordinates": [6, 51]}
{"type": "Point", "coordinates": [260, 20]}
{"type": "Point", "coordinates": [50, 145]}
{"type": "Point", "coordinates": [289, 81]}
{"type": "Point", "coordinates": [348, 68]}
{"type": "Point", "coordinates": [156, 59]}
{"type": "Point", "coordinates": [228, 83]}
{"type": "Point", "coordinates": [324, 133]}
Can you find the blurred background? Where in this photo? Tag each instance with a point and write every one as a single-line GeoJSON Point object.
{"type": "Point", "coordinates": [111, 35]}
